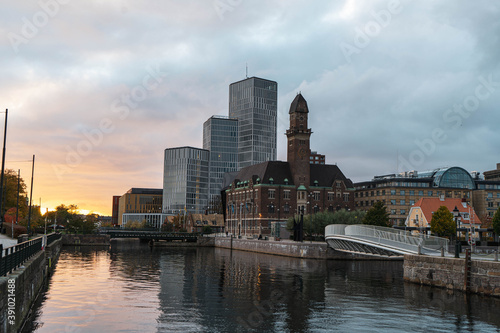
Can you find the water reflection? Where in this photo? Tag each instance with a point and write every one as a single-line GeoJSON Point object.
{"type": "Point", "coordinates": [131, 288]}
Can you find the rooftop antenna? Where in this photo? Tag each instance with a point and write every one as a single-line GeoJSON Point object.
{"type": "Point", "coordinates": [246, 73]}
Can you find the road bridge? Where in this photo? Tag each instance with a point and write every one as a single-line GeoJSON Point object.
{"type": "Point", "coordinates": [381, 241]}
{"type": "Point", "coordinates": [152, 235]}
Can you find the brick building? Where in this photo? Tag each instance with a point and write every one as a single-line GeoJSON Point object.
{"type": "Point", "coordinates": [271, 192]}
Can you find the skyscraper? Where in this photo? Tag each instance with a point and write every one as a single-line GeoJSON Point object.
{"type": "Point", "coordinates": [254, 102]}
{"type": "Point", "coordinates": [185, 180]}
{"type": "Point", "coordinates": [220, 137]}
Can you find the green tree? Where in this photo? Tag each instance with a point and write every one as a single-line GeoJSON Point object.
{"type": "Point", "coordinates": [377, 215]}
{"type": "Point", "coordinates": [207, 229]}
{"type": "Point", "coordinates": [321, 219]}
{"type": "Point", "coordinates": [10, 194]}
{"type": "Point", "coordinates": [496, 222]}
{"type": "Point", "coordinates": [442, 223]}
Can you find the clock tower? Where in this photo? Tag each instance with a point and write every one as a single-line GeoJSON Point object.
{"type": "Point", "coordinates": [298, 136]}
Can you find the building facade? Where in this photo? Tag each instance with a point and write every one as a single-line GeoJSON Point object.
{"type": "Point", "coordinates": [254, 102]}
{"type": "Point", "coordinates": [273, 191]}
{"type": "Point", "coordinates": [493, 174]}
{"type": "Point", "coordinates": [220, 137]}
{"type": "Point", "coordinates": [141, 204]}
{"type": "Point", "coordinates": [400, 192]}
{"type": "Point", "coordinates": [185, 180]}
{"type": "Point", "coordinates": [317, 158]}
{"type": "Point", "coordinates": [420, 214]}
{"type": "Point", "coordinates": [115, 210]}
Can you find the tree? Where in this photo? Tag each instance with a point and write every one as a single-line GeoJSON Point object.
{"type": "Point", "coordinates": [377, 215]}
{"type": "Point", "coordinates": [322, 219]}
{"type": "Point", "coordinates": [10, 194]}
{"type": "Point", "coordinates": [442, 223]}
{"type": "Point", "coordinates": [496, 222]}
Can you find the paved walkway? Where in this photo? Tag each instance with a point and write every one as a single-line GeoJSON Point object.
{"type": "Point", "coordinates": [6, 241]}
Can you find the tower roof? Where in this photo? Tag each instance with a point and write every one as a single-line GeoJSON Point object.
{"type": "Point", "coordinates": [299, 104]}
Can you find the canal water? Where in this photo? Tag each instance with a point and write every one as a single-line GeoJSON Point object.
{"type": "Point", "coordinates": [128, 287]}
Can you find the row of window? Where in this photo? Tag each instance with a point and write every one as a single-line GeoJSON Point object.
{"type": "Point", "coordinates": [420, 193]}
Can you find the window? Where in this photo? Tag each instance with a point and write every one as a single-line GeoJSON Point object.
{"type": "Point", "coordinates": [286, 208]}
{"type": "Point", "coordinates": [316, 196]}
{"type": "Point", "coordinates": [402, 202]}
{"type": "Point", "coordinates": [412, 202]}
{"type": "Point", "coordinates": [286, 194]}
{"type": "Point", "coordinates": [402, 212]}
{"type": "Point", "coordinates": [271, 209]}
{"type": "Point", "coordinates": [346, 197]}
{"type": "Point", "coordinates": [412, 192]}
{"type": "Point", "coordinates": [402, 192]}
{"type": "Point", "coordinates": [421, 193]}
{"type": "Point", "coordinates": [429, 193]}
{"type": "Point", "coordinates": [383, 192]}
{"type": "Point", "coordinates": [393, 202]}
{"type": "Point", "coordinates": [393, 211]}
{"type": "Point", "coordinates": [490, 204]}
{"type": "Point", "coordinates": [331, 196]}
{"type": "Point", "coordinates": [316, 209]}
{"type": "Point", "coordinates": [393, 192]}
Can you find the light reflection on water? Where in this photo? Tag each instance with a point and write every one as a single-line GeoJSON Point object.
{"type": "Point", "coordinates": [129, 288]}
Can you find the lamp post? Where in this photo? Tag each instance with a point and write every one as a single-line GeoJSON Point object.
{"type": "Point", "coordinates": [456, 214]}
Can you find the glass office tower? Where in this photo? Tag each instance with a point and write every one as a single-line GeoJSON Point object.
{"type": "Point", "coordinates": [220, 137]}
{"type": "Point", "coordinates": [185, 180]}
{"type": "Point", "coordinates": [254, 102]}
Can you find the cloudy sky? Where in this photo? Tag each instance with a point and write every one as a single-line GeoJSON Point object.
{"type": "Point", "coordinates": [98, 89]}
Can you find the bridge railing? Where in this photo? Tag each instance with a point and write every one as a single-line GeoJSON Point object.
{"type": "Point", "coordinates": [391, 237]}
{"type": "Point", "coordinates": [14, 256]}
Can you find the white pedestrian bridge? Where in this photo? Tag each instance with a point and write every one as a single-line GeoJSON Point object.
{"type": "Point", "coordinates": [381, 241]}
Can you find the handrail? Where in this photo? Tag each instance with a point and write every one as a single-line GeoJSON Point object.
{"type": "Point", "coordinates": [14, 256]}
{"type": "Point", "coordinates": [388, 236]}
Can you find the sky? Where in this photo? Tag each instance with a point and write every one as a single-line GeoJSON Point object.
{"type": "Point", "coordinates": [96, 90]}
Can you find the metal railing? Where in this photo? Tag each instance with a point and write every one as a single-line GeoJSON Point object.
{"type": "Point", "coordinates": [390, 237]}
{"type": "Point", "coordinates": [14, 256]}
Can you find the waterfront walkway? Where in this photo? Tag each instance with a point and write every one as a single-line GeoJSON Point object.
{"type": "Point", "coordinates": [6, 241]}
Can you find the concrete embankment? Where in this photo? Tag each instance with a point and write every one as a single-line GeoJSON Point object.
{"type": "Point", "coordinates": [476, 276]}
{"type": "Point", "coordinates": [20, 289]}
{"type": "Point", "coordinates": [307, 250]}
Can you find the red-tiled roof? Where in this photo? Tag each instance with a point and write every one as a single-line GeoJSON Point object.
{"type": "Point", "coordinates": [430, 205]}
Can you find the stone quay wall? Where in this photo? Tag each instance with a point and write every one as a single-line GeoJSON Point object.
{"type": "Point", "coordinates": [21, 288]}
{"type": "Point", "coordinates": [78, 240]}
{"type": "Point", "coordinates": [451, 273]}
{"type": "Point", "coordinates": [315, 250]}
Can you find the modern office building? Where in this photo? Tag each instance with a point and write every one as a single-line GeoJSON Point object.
{"type": "Point", "coordinates": [141, 204]}
{"type": "Point", "coordinates": [268, 193]}
{"type": "Point", "coordinates": [185, 180]}
{"type": "Point", "coordinates": [254, 102]}
{"type": "Point", "coordinates": [220, 137]}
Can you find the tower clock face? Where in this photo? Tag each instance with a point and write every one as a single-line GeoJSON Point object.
{"type": "Point", "coordinates": [302, 152]}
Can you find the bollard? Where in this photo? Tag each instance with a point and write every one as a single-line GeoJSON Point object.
{"type": "Point", "coordinates": [496, 255]}
{"type": "Point", "coordinates": [442, 252]}
{"type": "Point", "coordinates": [419, 249]}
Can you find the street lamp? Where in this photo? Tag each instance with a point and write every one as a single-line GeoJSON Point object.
{"type": "Point", "coordinates": [456, 214]}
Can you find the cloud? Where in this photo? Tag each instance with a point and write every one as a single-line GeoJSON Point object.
{"type": "Point", "coordinates": [65, 80]}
